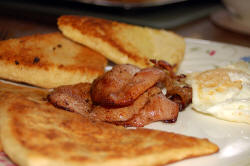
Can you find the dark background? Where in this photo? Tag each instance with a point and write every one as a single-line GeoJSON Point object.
{"type": "Point", "coordinates": [190, 18]}
{"type": "Point", "coordinates": [165, 16]}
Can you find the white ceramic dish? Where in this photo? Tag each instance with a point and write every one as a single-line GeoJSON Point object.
{"type": "Point", "coordinates": [228, 21]}
{"type": "Point", "coordinates": [232, 138]}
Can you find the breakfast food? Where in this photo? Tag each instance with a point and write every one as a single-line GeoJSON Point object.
{"type": "Point", "coordinates": [49, 60]}
{"type": "Point", "coordinates": [123, 84]}
{"type": "Point", "coordinates": [123, 43]}
{"type": "Point", "coordinates": [1, 148]}
{"type": "Point", "coordinates": [33, 132]}
{"type": "Point", "coordinates": [151, 106]}
{"type": "Point", "coordinates": [8, 88]}
{"type": "Point", "coordinates": [239, 65]}
{"type": "Point", "coordinates": [223, 92]}
{"type": "Point", "coordinates": [127, 95]}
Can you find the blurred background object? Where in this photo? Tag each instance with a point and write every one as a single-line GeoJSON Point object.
{"type": "Point", "coordinates": [189, 18]}
{"type": "Point", "coordinates": [128, 4]}
{"type": "Point", "coordinates": [239, 9]}
{"type": "Point", "coordinates": [166, 14]}
{"type": "Point", "coordinates": [235, 16]}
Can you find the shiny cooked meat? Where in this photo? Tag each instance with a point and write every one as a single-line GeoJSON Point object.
{"type": "Point", "coordinates": [74, 98]}
{"type": "Point", "coordinates": [151, 106]}
{"type": "Point", "coordinates": [157, 108]}
{"type": "Point", "coordinates": [164, 65]}
{"type": "Point", "coordinates": [177, 89]}
{"type": "Point", "coordinates": [128, 96]}
{"type": "Point", "coordinates": [111, 82]}
{"type": "Point", "coordinates": [123, 113]}
{"type": "Point", "coordinates": [123, 84]}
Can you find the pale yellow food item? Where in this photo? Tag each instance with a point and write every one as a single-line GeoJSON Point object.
{"type": "Point", "coordinates": [223, 92]}
{"type": "Point", "coordinates": [124, 43]}
{"type": "Point", "coordinates": [239, 65]}
{"type": "Point", "coordinates": [49, 60]}
{"type": "Point", "coordinates": [35, 133]}
{"type": "Point", "coordinates": [8, 88]}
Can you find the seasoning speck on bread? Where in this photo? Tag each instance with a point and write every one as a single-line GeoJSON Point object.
{"type": "Point", "coordinates": [48, 61]}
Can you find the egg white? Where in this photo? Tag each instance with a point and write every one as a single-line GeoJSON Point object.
{"type": "Point", "coordinates": [222, 100]}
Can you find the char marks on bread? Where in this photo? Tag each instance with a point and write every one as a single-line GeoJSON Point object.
{"type": "Point", "coordinates": [124, 43]}
{"type": "Point", "coordinates": [49, 60]}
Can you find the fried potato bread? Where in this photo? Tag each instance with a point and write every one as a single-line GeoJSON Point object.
{"type": "Point", "coordinates": [1, 148]}
{"type": "Point", "coordinates": [33, 132]}
{"type": "Point", "coordinates": [49, 60]}
{"type": "Point", "coordinates": [123, 43]}
{"type": "Point", "coordinates": [8, 88]}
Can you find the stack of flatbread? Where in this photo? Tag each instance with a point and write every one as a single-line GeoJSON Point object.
{"type": "Point", "coordinates": [35, 133]}
{"type": "Point", "coordinates": [52, 60]}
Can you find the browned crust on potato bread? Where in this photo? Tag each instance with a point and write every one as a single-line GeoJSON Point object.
{"type": "Point", "coordinates": [49, 60]}
{"type": "Point", "coordinates": [34, 132]}
{"type": "Point", "coordinates": [124, 43]}
{"type": "Point", "coordinates": [102, 29]}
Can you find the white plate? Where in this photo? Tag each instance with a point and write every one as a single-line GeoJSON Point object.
{"type": "Point", "coordinates": [232, 138]}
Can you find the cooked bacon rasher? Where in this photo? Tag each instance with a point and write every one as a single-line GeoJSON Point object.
{"type": "Point", "coordinates": [126, 96]}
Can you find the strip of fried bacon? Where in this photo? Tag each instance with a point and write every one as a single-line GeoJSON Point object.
{"type": "Point", "coordinates": [177, 89]}
{"type": "Point", "coordinates": [111, 82]}
{"type": "Point", "coordinates": [157, 108]}
{"type": "Point", "coordinates": [123, 84]}
{"type": "Point", "coordinates": [74, 98]}
{"type": "Point", "coordinates": [127, 96]}
{"type": "Point", "coordinates": [149, 107]}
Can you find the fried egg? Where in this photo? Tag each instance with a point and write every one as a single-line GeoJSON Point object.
{"type": "Point", "coordinates": [223, 92]}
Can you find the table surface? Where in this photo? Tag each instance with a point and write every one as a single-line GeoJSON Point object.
{"type": "Point", "coordinates": [200, 28]}
{"type": "Point", "coordinates": [204, 28]}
